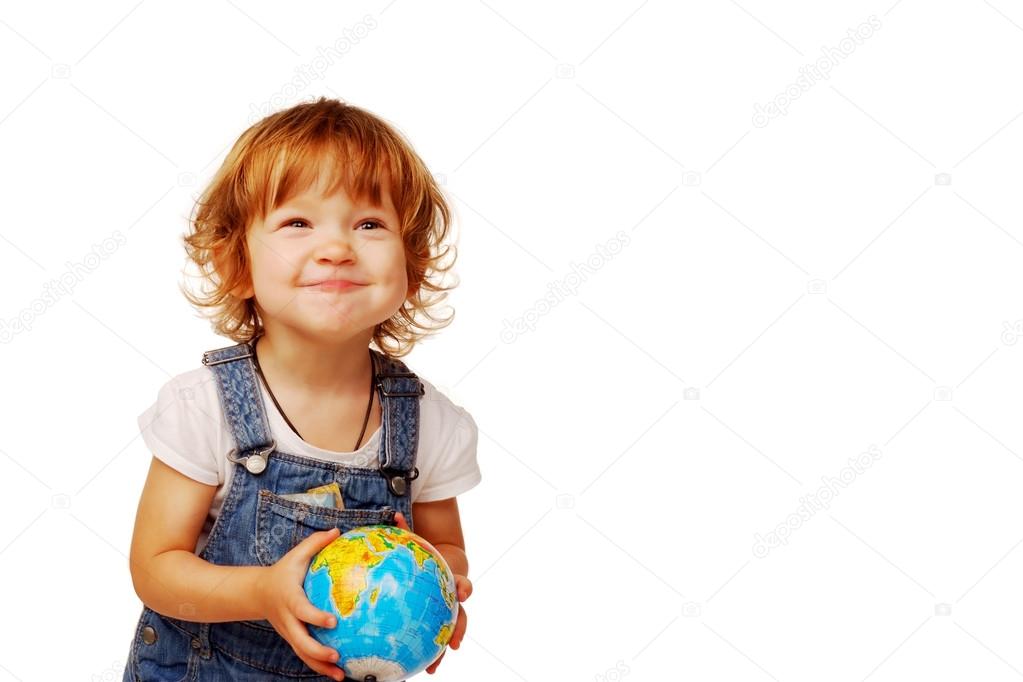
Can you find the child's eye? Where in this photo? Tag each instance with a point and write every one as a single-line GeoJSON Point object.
{"type": "Point", "coordinates": [290, 223]}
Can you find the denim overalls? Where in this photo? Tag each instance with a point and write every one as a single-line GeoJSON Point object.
{"type": "Point", "coordinates": [257, 527]}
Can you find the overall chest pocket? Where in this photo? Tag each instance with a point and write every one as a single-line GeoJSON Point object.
{"type": "Point", "coordinates": [281, 524]}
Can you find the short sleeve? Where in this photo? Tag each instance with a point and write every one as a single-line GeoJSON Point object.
{"type": "Point", "coordinates": [456, 469]}
{"type": "Point", "coordinates": [180, 428]}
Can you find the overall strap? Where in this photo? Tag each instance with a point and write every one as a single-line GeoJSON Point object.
{"type": "Point", "coordinates": [398, 388]}
{"type": "Point", "coordinates": [400, 391]}
{"type": "Point", "coordinates": [240, 397]}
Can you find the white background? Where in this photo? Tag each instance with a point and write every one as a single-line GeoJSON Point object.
{"type": "Point", "coordinates": [782, 298]}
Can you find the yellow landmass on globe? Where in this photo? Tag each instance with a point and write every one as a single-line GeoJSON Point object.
{"type": "Point", "coordinates": [449, 596]}
{"type": "Point", "coordinates": [349, 560]}
{"type": "Point", "coordinates": [444, 635]}
{"type": "Point", "coordinates": [383, 539]}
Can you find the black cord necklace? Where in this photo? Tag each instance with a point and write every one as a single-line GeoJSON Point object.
{"type": "Point", "coordinates": [369, 406]}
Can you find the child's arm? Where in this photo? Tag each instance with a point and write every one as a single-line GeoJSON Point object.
{"type": "Point", "coordinates": [440, 524]}
{"type": "Point", "coordinates": [172, 580]}
{"type": "Point", "coordinates": [168, 576]}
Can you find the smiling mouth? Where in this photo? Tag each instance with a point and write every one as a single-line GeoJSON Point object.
{"type": "Point", "coordinates": [334, 285]}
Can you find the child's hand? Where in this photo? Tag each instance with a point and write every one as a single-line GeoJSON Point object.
{"type": "Point", "coordinates": [284, 603]}
{"type": "Point", "coordinates": [463, 588]}
{"type": "Point", "coordinates": [400, 522]}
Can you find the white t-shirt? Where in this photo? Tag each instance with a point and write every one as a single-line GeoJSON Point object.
{"type": "Point", "coordinates": [186, 429]}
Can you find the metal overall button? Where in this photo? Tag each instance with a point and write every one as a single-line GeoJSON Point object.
{"type": "Point", "coordinates": [398, 483]}
{"type": "Point", "coordinates": [256, 462]}
{"type": "Point", "coordinates": [149, 635]}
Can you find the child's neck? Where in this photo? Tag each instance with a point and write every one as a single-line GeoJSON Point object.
{"type": "Point", "coordinates": [327, 369]}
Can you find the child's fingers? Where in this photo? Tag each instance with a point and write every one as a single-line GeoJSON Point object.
{"type": "Point", "coordinates": [331, 671]}
{"type": "Point", "coordinates": [460, 625]}
{"type": "Point", "coordinates": [308, 613]}
{"type": "Point", "coordinates": [400, 522]}
{"type": "Point", "coordinates": [433, 666]}
{"type": "Point", "coordinates": [308, 548]}
{"type": "Point", "coordinates": [307, 647]}
{"type": "Point", "coordinates": [463, 586]}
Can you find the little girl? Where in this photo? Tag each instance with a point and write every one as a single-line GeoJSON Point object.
{"type": "Point", "coordinates": [319, 235]}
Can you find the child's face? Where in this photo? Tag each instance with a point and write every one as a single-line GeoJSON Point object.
{"type": "Point", "coordinates": [309, 239]}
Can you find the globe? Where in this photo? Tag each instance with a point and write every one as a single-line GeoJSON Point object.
{"type": "Point", "coordinates": [393, 597]}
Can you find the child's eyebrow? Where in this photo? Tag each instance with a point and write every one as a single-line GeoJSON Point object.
{"type": "Point", "coordinates": [312, 205]}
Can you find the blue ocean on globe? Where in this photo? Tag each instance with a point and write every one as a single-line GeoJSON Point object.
{"type": "Point", "coordinates": [394, 598]}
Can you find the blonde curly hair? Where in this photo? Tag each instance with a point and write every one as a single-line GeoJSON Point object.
{"type": "Point", "coordinates": [278, 157]}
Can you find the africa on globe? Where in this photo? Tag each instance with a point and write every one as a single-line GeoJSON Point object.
{"type": "Point", "coordinates": [394, 599]}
